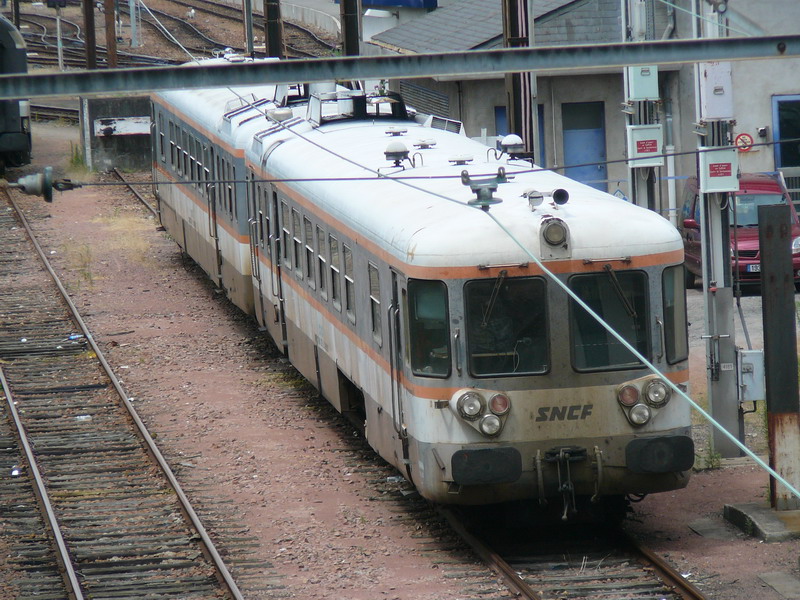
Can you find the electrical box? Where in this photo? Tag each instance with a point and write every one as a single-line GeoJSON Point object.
{"type": "Point", "coordinates": [716, 91]}
{"type": "Point", "coordinates": [644, 145]}
{"type": "Point", "coordinates": [751, 378]}
{"type": "Point", "coordinates": [642, 83]}
{"type": "Point", "coordinates": [719, 170]}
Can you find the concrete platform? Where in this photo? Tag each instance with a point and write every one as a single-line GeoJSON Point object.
{"type": "Point", "coordinates": [761, 521]}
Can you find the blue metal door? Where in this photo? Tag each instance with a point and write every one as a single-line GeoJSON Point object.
{"type": "Point", "coordinates": [585, 143]}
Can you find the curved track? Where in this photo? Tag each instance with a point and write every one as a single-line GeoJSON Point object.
{"type": "Point", "coordinates": [114, 512]}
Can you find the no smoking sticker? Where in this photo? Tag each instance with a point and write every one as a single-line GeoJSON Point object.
{"type": "Point", "coordinates": [744, 142]}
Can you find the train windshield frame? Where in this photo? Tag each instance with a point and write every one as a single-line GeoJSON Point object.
{"type": "Point", "coordinates": [428, 328]}
{"type": "Point", "coordinates": [506, 323]}
{"type": "Point", "coordinates": [621, 299]}
{"type": "Point", "coordinates": [676, 321]}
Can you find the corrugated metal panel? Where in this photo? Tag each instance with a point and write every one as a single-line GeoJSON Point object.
{"type": "Point", "coordinates": [446, 124]}
{"type": "Point", "coordinates": [425, 100]}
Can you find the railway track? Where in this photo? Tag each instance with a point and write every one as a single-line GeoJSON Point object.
{"type": "Point", "coordinates": [114, 519]}
{"type": "Point", "coordinates": [553, 561]}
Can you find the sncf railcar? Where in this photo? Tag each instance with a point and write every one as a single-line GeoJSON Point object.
{"type": "Point", "coordinates": [15, 131]}
{"type": "Point", "coordinates": [388, 256]}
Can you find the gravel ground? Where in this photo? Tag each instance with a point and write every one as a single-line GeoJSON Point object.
{"type": "Point", "coordinates": [209, 387]}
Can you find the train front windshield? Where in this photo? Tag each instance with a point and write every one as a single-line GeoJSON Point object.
{"type": "Point", "coordinates": [506, 326]}
{"type": "Point", "coordinates": [619, 298]}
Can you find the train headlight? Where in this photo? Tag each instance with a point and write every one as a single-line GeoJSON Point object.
{"type": "Point", "coordinates": [554, 232]}
{"type": "Point", "coordinates": [640, 414]}
{"type": "Point", "coordinates": [656, 393]}
{"type": "Point", "coordinates": [499, 404]}
{"type": "Point", "coordinates": [490, 425]}
{"type": "Point", "coordinates": [470, 405]}
{"type": "Point", "coordinates": [628, 395]}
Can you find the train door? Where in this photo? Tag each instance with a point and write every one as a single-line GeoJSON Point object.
{"type": "Point", "coordinates": [278, 251]}
{"type": "Point", "coordinates": [396, 362]}
{"type": "Point", "coordinates": [214, 196]}
{"type": "Point", "coordinates": [255, 229]}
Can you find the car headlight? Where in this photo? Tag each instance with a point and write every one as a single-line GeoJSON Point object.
{"type": "Point", "coordinates": [657, 393]}
{"type": "Point", "coordinates": [491, 425]}
{"type": "Point", "coordinates": [640, 414]}
{"type": "Point", "coordinates": [796, 245]}
{"type": "Point", "coordinates": [470, 405]}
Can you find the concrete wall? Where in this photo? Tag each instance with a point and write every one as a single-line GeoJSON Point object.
{"type": "Point", "coordinates": [115, 133]}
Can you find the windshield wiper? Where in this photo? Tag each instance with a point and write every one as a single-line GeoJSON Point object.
{"type": "Point", "coordinates": [620, 292]}
{"type": "Point", "coordinates": [493, 298]}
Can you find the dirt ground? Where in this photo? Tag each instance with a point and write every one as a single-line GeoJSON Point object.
{"type": "Point", "coordinates": [202, 383]}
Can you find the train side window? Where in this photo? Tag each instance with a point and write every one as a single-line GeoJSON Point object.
{"type": "Point", "coordinates": [286, 233]}
{"type": "Point", "coordinates": [264, 224]}
{"type": "Point", "coordinates": [428, 330]}
{"type": "Point", "coordinates": [172, 149]}
{"type": "Point", "coordinates": [161, 138]}
{"type": "Point", "coordinates": [349, 284]}
{"type": "Point", "coordinates": [231, 184]}
{"type": "Point", "coordinates": [506, 326]}
{"type": "Point", "coordinates": [322, 265]}
{"type": "Point", "coordinates": [676, 335]}
{"type": "Point", "coordinates": [309, 239]}
{"type": "Point", "coordinates": [620, 299]}
{"type": "Point", "coordinates": [297, 243]}
{"type": "Point", "coordinates": [336, 293]}
{"type": "Point", "coordinates": [375, 302]}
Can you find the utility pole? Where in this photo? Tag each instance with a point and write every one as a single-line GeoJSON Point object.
{"type": "Point", "coordinates": [273, 29]}
{"type": "Point", "coordinates": [718, 169]}
{"type": "Point", "coordinates": [247, 8]}
{"type": "Point", "coordinates": [644, 134]}
{"type": "Point", "coordinates": [91, 37]}
{"type": "Point", "coordinates": [522, 111]}
{"type": "Point", "coordinates": [780, 349]}
{"type": "Point", "coordinates": [350, 15]}
{"type": "Point", "coordinates": [109, 7]}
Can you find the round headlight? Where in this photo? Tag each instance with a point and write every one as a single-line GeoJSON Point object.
{"type": "Point", "coordinates": [656, 393]}
{"type": "Point", "coordinates": [490, 425]}
{"type": "Point", "coordinates": [554, 233]}
{"type": "Point", "coordinates": [470, 406]}
{"type": "Point", "coordinates": [499, 404]}
{"type": "Point", "coordinates": [640, 414]}
{"type": "Point", "coordinates": [628, 395]}
{"type": "Point", "coordinates": [796, 245]}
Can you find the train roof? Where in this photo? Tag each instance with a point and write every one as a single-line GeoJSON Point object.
{"type": "Point", "coordinates": [420, 210]}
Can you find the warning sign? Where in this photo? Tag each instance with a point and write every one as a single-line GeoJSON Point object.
{"type": "Point", "coordinates": [720, 169]}
{"type": "Point", "coordinates": [744, 142]}
{"type": "Point", "coordinates": [644, 146]}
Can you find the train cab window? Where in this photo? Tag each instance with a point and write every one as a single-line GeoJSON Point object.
{"type": "Point", "coordinates": [375, 302]}
{"type": "Point", "coordinates": [286, 234]}
{"type": "Point", "coordinates": [506, 326]}
{"type": "Point", "coordinates": [309, 239]}
{"type": "Point", "coordinates": [336, 292]}
{"type": "Point", "coordinates": [428, 331]}
{"type": "Point", "coordinates": [322, 265]}
{"type": "Point", "coordinates": [297, 243]}
{"type": "Point", "coordinates": [620, 299]}
{"type": "Point", "coordinates": [676, 338]}
{"type": "Point", "coordinates": [349, 284]}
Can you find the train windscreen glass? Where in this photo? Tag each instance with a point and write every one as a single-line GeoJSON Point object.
{"type": "Point", "coordinates": [428, 330]}
{"type": "Point", "coordinates": [620, 299]}
{"type": "Point", "coordinates": [506, 326]}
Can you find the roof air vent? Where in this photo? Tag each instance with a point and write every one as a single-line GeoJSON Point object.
{"type": "Point", "coordinates": [397, 152]}
{"type": "Point", "coordinates": [396, 131]}
{"type": "Point", "coordinates": [461, 159]}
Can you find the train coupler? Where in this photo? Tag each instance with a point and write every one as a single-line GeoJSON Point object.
{"type": "Point", "coordinates": [562, 457]}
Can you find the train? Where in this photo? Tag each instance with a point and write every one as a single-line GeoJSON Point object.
{"type": "Point", "coordinates": [15, 115]}
{"type": "Point", "coordinates": [390, 258]}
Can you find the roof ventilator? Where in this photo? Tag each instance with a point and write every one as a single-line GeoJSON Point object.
{"type": "Point", "coordinates": [397, 152]}
{"type": "Point", "coordinates": [485, 188]}
{"type": "Point", "coordinates": [512, 146]}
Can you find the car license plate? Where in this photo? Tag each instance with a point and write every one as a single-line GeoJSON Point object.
{"type": "Point", "coordinates": [754, 268]}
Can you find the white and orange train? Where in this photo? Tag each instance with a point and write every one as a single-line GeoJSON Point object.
{"type": "Point", "coordinates": [357, 234]}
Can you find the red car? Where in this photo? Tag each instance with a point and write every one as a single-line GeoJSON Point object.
{"type": "Point", "coordinates": [755, 189]}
